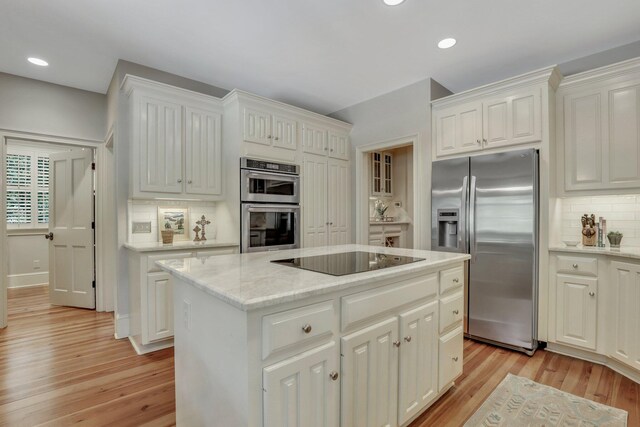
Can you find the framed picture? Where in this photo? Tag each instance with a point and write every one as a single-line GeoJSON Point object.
{"type": "Point", "coordinates": [176, 219]}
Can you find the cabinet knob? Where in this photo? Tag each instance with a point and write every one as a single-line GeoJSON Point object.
{"type": "Point", "coordinates": [592, 294]}
{"type": "Point", "coordinates": [268, 136]}
{"type": "Point", "coordinates": [179, 180]}
{"type": "Point", "coordinates": [575, 265]}
{"type": "Point", "coordinates": [190, 182]}
{"type": "Point", "coordinates": [333, 375]}
{"type": "Point", "coordinates": [456, 280]}
{"type": "Point", "coordinates": [478, 141]}
{"type": "Point", "coordinates": [325, 148]}
{"type": "Point", "coordinates": [456, 311]}
{"type": "Point", "coordinates": [407, 338]}
{"type": "Point", "coordinates": [306, 328]}
{"type": "Point", "coordinates": [396, 343]}
{"type": "Point", "coordinates": [276, 138]}
{"type": "Point", "coordinates": [455, 358]}
{"type": "Point", "coordinates": [332, 150]}
{"type": "Point", "coordinates": [484, 140]}
{"type": "Point", "coordinates": [330, 223]}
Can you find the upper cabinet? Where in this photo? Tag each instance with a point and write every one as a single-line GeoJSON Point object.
{"type": "Point", "coordinates": [599, 130]}
{"type": "Point", "coordinates": [503, 114]}
{"type": "Point", "coordinates": [262, 127]}
{"type": "Point", "coordinates": [175, 142]}
{"type": "Point", "coordinates": [381, 174]}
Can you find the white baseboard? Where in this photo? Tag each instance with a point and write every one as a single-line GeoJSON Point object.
{"type": "Point", "coordinates": [149, 348]}
{"type": "Point", "coordinates": [122, 326]}
{"type": "Point", "coordinates": [28, 279]}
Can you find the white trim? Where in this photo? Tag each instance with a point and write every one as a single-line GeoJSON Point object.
{"type": "Point", "coordinates": [151, 347]}
{"type": "Point", "coordinates": [26, 280]}
{"type": "Point", "coordinates": [363, 185]}
{"type": "Point", "coordinates": [122, 326]}
{"type": "Point", "coordinates": [619, 69]}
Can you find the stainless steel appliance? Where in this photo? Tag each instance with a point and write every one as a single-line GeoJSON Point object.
{"type": "Point", "coordinates": [343, 263]}
{"type": "Point", "coordinates": [487, 206]}
{"type": "Point", "coordinates": [269, 209]}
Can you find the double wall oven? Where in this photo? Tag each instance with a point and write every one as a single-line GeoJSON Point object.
{"type": "Point", "coordinates": [270, 205]}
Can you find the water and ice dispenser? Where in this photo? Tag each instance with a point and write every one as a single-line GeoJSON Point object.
{"type": "Point", "coordinates": [448, 228]}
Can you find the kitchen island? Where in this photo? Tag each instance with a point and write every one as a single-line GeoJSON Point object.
{"type": "Point", "coordinates": [259, 343]}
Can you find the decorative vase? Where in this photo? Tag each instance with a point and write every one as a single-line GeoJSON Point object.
{"type": "Point", "coordinates": [167, 237]}
{"type": "Point", "coordinates": [614, 239]}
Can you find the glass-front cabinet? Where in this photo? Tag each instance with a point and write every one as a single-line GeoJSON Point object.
{"type": "Point", "coordinates": [381, 174]}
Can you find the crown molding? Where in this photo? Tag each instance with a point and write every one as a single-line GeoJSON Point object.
{"type": "Point", "coordinates": [619, 69]}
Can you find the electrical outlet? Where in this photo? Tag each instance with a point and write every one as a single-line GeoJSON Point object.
{"type": "Point", "coordinates": [397, 204]}
{"type": "Point", "coordinates": [141, 227]}
{"type": "Point", "coordinates": [186, 314]}
{"type": "Point", "coordinates": [36, 264]}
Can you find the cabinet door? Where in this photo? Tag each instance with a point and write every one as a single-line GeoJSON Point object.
{"type": "Point", "coordinates": [583, 136]}
{"type": "Point", "coordinates": [300, 391]}
{"type": "Point", "coordinates": [339, 147]}
{"type": "Point", "coordinates": [418, 360]}
{"type": "Point", "coordinates": [513, 119]}
{"type": "Point", "coordinates": [339, 202]}
{"type": "Point", "coordinates": [370, 376]}
{"type": "Point", "coordinates": [576, 310]}
{"type": "Point", "coordinates": [314, 202]}
{"type": "Point", "coordinates": [624, 342]}
{"type": "Point", "coordinates": [450, 357]}
{"type": "Point", "coordinates": [469, 127]}
{"type": "Point", "coordinates": [159, 304]}
{"type": "Point", "coordinates": [285, 132]}
{"type": "Point", "coordinates": [203, 151]}
{"type": "Point", "coordinates": [387, 167]}
{"type": "Point", "coordinates": [623, 148]}
{"type": "Point", "coordinates": [159, 134]}
{"type": "Point", "coordinates": [257, 126]}
{"type": "Point", "coordinates": [314, 139]}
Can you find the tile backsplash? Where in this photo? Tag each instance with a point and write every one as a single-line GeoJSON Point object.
{"type": "Point", "coordinates": [147, 211]}
{"type": "Point", "coordinates": [621, 212]}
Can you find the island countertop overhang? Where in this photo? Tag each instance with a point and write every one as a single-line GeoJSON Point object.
{"type": "Point", "coordinates": [252, 281]}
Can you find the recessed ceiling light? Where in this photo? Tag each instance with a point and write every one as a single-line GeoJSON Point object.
{"type": "Point", "coordinates": [446, 43]}
{"type": "Point", "coordinates": [38, 61]}
{"type": "Point", "coordinates": [392, 2]}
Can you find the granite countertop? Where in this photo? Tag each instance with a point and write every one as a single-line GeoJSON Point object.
{"type": "Point", "coordinates": [623, 252]}
{"type": "Point", "coordinates": [177, 245]}
{"type": "Point", "coordinates": [251, 281]}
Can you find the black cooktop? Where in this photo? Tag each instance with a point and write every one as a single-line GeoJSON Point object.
{"type": "Point", "coordinates": [343, 263]}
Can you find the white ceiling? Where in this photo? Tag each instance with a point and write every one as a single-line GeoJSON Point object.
{"type": "Point", "coordinates": [318, 54]}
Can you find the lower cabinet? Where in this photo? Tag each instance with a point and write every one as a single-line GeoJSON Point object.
{"type": "Point", "coordinates": [450, 359]}
{"type": "Point", "coordinates": [576, 310]}
{"type": "Point", "coordinates": [159, 324]}
{"type": "Point", "coordinates": [303, 390]}
{"type": "Point", "coordinates": [624, 342]}
{"type": "Point", "coordinates": [390, 369]}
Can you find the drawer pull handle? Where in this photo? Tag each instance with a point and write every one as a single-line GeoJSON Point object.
{"type": "Point", "coordinates": [333, 375]}
{"type": "Point", "coordinates": [408, 339]}
{"type": "Point", "coordinates": [456, 280]}
{"type": "Point", "coordinates": [396, 343]}
{"type": "Point", "coordinates": [456, 311]}
{"type": "Point", "coordinates": [455, 359]}
{"type": "Point", "coordinates": [575, 265]}
{"type": "Point", "coordinates": [592, 294]}
{"type": "Point", "coordinates": [306, 328]}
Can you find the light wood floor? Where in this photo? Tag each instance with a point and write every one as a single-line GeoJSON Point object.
{"type": "Point", "coordinates": [61, 366]}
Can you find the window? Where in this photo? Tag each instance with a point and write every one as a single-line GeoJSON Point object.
{"type": "Point", "coordinates": [27, 189]}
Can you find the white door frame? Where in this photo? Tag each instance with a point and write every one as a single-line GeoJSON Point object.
{"type": "Point", "coordinates": [5, 135]}
{"type": "Point", "coordinates": [363, 183]}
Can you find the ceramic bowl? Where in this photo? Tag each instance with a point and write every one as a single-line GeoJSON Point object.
{"type": "Point", "coordinates": [571, 243]}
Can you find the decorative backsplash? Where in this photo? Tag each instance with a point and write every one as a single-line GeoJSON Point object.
{"type": "Point", "coordinates": [621, 212]}
{"type": "Point", "coordinates": [147, 211]}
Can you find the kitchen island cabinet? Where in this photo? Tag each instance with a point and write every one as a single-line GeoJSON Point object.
{"type": "Point", "coordinates": [263, 344]}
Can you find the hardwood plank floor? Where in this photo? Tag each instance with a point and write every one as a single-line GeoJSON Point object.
{"type": "Point", "coordinates": [61, 366]}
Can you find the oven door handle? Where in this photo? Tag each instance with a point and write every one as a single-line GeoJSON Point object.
{"type": "Point", "coordinates": [270, 175]}
{"type": "Point", "coordinates": [272, 208]}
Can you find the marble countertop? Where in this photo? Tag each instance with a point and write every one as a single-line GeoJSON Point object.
{"type": "Point", "coordinates": [251, 281]}
{"type": "Point", "coordinates": [388, 222]}
{"type": "Point", "coordinates": [623, 252]}
{"type": "Point", "coordinates": [177, 245]}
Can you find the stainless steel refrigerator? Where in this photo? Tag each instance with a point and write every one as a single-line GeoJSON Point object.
{"type": "Point", "coordinates": [487, 206]}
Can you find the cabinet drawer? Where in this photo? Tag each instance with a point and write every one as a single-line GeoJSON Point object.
{"type": "Point", "coordinates": [360, 306]}
{"type": "Point", "coordinates": [450, 357]}
{"type": "Point", "coordinates": [291, 327]}
{"type": "Point", "coordinates": [395, 228]}
{"type": "Point", "coordinates": [151, 259]}
{"type": "Point", "coordinates": [451, 310]}
{"type": "Point", "coordinates": [451, 279]}
{"type": "Point", "coordinates": [578, 265]}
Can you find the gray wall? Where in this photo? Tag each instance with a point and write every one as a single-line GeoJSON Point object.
{"type": "Point", "coordinates": [34, 106]}
{"type": "Point", "coordinates": [600, 59]}
{"type": "Point", "coordinates": [403, 112]}
{"type": "Point", "coordinates": [117, 102]}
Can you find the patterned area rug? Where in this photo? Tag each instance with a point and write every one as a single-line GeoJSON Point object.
{"type": "Point", "coordinates": [520, 402]}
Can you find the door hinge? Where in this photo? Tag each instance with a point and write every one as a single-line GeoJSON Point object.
{"type": "Point", "coordinates": [93, 284]}
{"type": "Point", "coordinates": [93, 166]}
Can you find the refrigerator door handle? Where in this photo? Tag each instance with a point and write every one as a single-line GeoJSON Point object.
{"type": "Point", "coordinates": [462, 230]}
{"type": "Point", "coordinates": [472, 220]}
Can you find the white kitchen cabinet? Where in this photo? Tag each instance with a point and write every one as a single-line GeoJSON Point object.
{"type": "Point", "coordinates": [326, 203]}
{"type": "Point", "coordinates": [389, 235]}
{"type": "Point", "coordinates": [285, 132]}
{"type": "Point", "coordinates": [381, 174]}
{"type": "Point", "coordinates": [257, 126]}
{"type": "Point", "coordinates": [450, 358]}
{"type": "Point", "coordinates": [512, 119]}
{"type": "Point", "coordinates": [458, 129]}
{"type": "Point", "coordinates": [175, 142]}
{"type": "Point", "coordinates": [418, 377]}
{"type": "Point", "coordinates": [159, 307]}
{"type": "Point", "coordinates": [576, 310]}
{"type": "Point", "coordinates": [624, 343]}
{"type": "Point", "coordinates": [370, 376]}
{"type": "Point", "coordinates": [339, 145]}
{"type": "Point", "coordinates": [599, 130]}
{"type": "Point", "coordinates": [303, 390]}
{"type": "Point", "coordinates": [262, 126]}
{"type": "Point", "coordinates": [314, 139]}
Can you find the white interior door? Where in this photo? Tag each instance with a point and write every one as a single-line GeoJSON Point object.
{"type": "Point", "coordinates": [71, 269]}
